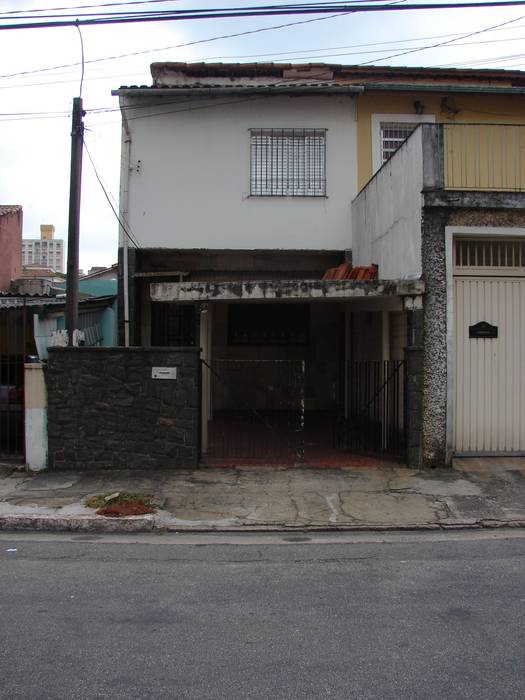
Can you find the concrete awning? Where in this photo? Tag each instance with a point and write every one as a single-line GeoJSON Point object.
{"type": "Point", "coordinates": [281, 290]}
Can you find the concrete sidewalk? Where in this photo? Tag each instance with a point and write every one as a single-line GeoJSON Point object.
{"type": "Point", "coordinates": [476, 493]}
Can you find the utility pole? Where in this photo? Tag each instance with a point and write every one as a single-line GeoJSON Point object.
{"type": "Point", "coordinates": [77, 142]}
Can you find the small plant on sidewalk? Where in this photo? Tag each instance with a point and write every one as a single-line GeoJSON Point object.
{"type": "Point", "coordinates": [120, 504]}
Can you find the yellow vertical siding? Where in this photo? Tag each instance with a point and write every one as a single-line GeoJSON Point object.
{"type": "Point", "coordinates": [472, 108]}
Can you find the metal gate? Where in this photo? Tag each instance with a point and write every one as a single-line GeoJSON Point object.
{"type": "Point", "coordinates": [489, 415]}
{"type": "Point", "coordinates": [256, 411]}
{"type": "Point", "coordinates": [12, 351]}
{"type": "Point", "coordinates": [373, 419]}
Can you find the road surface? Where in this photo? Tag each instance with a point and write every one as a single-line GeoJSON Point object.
{"type": "Point", "coordinates": [280, 616]}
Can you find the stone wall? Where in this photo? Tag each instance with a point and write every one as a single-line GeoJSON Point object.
{"type": "Point", "coordinates": [105, 411]}
{"type": "Point", "coordinates": [414, 390]}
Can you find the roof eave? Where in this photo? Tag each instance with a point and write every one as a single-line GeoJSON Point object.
{"type": "Point", "coordinates": [242, 90]}
{"type": "Point", "coordinates": [435, 87]}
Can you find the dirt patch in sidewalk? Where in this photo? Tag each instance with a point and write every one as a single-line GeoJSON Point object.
{"type": "Point", "coordinates": [121, 504]}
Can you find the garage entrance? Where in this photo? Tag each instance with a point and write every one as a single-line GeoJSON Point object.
{"type": "Point", "coordinates": [489, 311]}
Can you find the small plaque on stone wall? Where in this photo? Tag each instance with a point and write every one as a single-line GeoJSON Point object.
{"type": "Point", "coordinates": [483, 329]}
{"type": "Point", "coordinates": [164, 373]}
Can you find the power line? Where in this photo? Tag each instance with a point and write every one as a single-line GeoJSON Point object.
{"type": "Point", "coordinates": [456, 37]}
{"type": "Point", "coordinates": [174, 46]}
{"type": "Point", "coordinates": [450, 41]}
{"type": "Point", "coordinates": [124, 227]}
{"type": "Point", "coordinates": [257, 11]}
{"type": "Point", "coordinates": [83, 7]}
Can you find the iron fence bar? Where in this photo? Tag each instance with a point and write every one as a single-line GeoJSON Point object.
{"type": "Point", "coordinates": [374, 419]}
{"type": "Point", "coordinates": [249, 408]}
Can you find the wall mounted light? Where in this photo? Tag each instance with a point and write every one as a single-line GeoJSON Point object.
{"type": "Point", "coordinates": [419, 107]}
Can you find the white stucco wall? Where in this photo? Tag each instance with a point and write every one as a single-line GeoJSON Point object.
{"type": "Point", "coordinates": [191, 188]}
{"type": "Point", "coordinates": [386, 215]}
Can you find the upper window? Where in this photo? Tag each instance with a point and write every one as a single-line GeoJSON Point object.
{"type": "Point", "coordinates": [499, 256]}
{"type": "Point", "coordinates": [389, 131]}
{"type": "Point", "coordinates": [288, 162]}
{"type": "Point", "coordinates": [393, 135]}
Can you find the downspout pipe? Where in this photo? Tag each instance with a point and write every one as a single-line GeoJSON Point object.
{"type": "Point", "coordinates": [125, 173]}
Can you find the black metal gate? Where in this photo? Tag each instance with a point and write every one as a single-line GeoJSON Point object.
{"type": "Point", "coordinates": [373, 417]}
{"type": "Point", "coordinates": [12, 352]}
{"type": "Point", "coordinates": [255, 411]}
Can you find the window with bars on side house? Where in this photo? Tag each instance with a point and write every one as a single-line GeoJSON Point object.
{"type": "Point", "coordinates": [288, 162]}
{"type": "Point", "coordinates": [393, 135]}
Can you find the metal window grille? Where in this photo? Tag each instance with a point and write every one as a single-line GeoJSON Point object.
{"type": "Point", "coordinates": [506, 253]}
{"type": "Point", "coordinates": [288, 162]}
{"type": "Point", "coordinates": [173, 325]}
{"type": "Point", "coordinates": [393, 135]}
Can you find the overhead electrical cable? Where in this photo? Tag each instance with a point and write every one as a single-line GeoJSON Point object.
{"type": "Point", "coordinates": [253, 11]}
{"type": "Point", "coordinates": [175, 46]}
{"type": "Point", "coordinates": [448, 42]}
{"type": "Point", "coordinates": [83, 7]}
{"type": "Point", "coordinates": [124, 226]}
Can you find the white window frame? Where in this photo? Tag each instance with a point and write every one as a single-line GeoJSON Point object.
{"type": "Point", "coordinates": [378, 119]}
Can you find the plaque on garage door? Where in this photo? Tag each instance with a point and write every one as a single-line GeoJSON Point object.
{"type": "Point", "coordinates": [483, 329]}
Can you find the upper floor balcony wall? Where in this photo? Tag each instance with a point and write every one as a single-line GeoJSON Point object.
{"type": "Point", "coordinates": [487, 157]}
{"type": "Point", "coordinates": [387, 212]}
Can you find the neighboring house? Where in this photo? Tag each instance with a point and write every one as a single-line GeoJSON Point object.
{"type": "Point", "coordinates": [239, 190]}
{"type": "Point", "coordinates": [99, 272]}
{"type": "Point", "coordinates": [10, 244]}
{"type": "Point", "coordinates": [46, 251]}
{"type": "Point", "coordinates": [37, 280]}
{"type": "Point", "coordinates": [29, 324]}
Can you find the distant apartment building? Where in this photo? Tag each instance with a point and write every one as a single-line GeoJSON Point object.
{"type": "Point", "coordinates": [47, 250]}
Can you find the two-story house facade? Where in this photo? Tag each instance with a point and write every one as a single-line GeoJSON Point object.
{"type": "Point", "coordinates": [237, 183]}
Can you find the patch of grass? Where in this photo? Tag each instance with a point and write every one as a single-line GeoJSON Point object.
{"type": "Point", "coordinates": [118, 498]}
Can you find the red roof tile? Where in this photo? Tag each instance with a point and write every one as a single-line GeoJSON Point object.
{"type": "Point", "coordinates": [347, 272]}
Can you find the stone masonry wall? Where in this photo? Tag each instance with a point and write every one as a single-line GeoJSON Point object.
{"type": "Point", "coordinates": [106, 412]}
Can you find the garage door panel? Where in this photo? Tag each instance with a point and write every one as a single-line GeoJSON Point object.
{"type": "Point", "coordinates": [490, 372]}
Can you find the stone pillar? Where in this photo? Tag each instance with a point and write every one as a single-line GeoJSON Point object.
{"type": "Point", "coordinates": [414, 389]}
{"type": "Point", "coordinates": [35, 416]}
{"type": "Point", "coordinates": [205, 339]}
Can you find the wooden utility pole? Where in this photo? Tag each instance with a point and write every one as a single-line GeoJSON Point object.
{"type": "Point", "coordinates": [77, 142]}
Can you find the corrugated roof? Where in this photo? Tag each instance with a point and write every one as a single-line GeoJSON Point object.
{"type": "Point", "coordinates": [322, 77]}
{"type": "Point", "coordinates": [340, 71]}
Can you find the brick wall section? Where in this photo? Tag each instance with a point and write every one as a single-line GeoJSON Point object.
{"type": "Point", "coordinates": [106, 412]}
{"type": "Point", "coordinates": [10, 245]}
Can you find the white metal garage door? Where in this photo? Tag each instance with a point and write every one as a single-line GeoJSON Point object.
{"type": "Point", "coordinates": [489, 414]}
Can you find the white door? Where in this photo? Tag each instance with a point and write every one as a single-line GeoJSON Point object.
{"type": "Point", "coordinates": [489, 416]}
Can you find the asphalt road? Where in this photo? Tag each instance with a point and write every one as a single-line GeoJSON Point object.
{"type": "Point", "coordinates": [280, 616]}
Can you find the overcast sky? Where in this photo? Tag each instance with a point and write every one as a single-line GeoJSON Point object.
{"type": "Point", "coordinates": [34, 148]}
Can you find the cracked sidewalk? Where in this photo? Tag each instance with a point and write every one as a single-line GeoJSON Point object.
{"type": "Point", "coordinates": [476, 493]}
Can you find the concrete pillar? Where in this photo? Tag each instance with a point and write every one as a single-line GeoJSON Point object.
{"type": "Point", "coordinates": [414, 390]}
{"type": "Point", "coordinates": [35, 416]}
{"type": "Point", "coordinates": [205, 334]}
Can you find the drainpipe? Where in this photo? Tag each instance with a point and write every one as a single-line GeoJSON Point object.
{"type": "Point", "coordinates": [125, 172]}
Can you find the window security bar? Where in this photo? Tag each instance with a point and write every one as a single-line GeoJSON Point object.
{"type": "Point", "coordinates": [393, 135]}
{"type": "Point", "coordinates": [288, 162]}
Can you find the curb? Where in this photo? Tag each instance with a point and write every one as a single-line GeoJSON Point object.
{"type": "Point", "coordinates": [87, 523]}
{"type": "Point", "coordinates": [148, 523]}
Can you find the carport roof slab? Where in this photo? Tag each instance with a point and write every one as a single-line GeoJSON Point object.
{"type": "Point", "coordinates": [276, 290]}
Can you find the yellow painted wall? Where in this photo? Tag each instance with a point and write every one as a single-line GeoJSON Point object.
{"type": "Point", "coordinates": [473, 108]}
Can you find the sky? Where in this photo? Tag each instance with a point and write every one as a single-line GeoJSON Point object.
{"type": "Point", "coordinates": [35, 104]}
